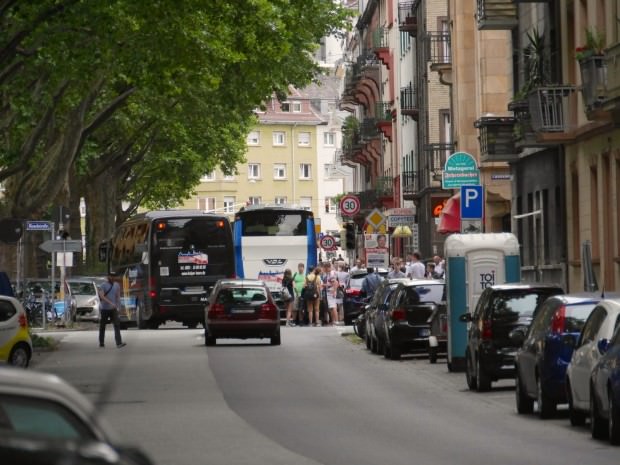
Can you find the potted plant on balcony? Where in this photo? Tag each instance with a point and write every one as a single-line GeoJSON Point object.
{"type": "Point", "coordinates": [593, 68]}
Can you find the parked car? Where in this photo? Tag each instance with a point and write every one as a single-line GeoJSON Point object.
{"type": "Point", "coordinates": [241, 308]}
{"type": "Point", "coordinates": [84, 290]}
{"type": "Point", "coordinates": [546, 350]}
{"type": "Point", "coordinates": [405, 326]}
{"type": "Point", "coordinates": [378, 304]}
{"type": "Point", "coordinates": [490, 352]}
{"type": "Point", "coordinates": [15, 342]}
{"type": "Point", "coordinates": [44, 419]}
{"type": "Point", "coordinates": [354, 301]}
{"type": "Point", "coordinates": [605, 392]}
{"type": "Point", "coordinates": [596, 333]}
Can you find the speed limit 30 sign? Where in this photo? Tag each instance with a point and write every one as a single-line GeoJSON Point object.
{"type": "Point", "coordinates": [349, 205]}
{"type": "Point", "coordinates": [328, 243]}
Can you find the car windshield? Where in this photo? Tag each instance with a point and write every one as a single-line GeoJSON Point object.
{"type": "Point", "coordinates": [576, 316]}
{"type": "Point", "coordinates": [242, 295]}
{"type": "Point", "coordinates": [82, 288]}
{"type": "Point", "coordinates": [39, 417]}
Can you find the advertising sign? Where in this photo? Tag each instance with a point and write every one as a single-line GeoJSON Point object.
{"type": "Point", "coordinates": [376, 241]}
{"type": "Point", "coordinates": [459, 170]}
{"type": "Point", "coordinates": [377, 258]}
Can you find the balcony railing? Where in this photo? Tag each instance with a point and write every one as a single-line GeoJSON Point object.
{"type": "Point", "coordinates": [613, 72]}
{"type": "Point", "coordinates": [408, 17]}
{"type": "Point", "coordinates": [551, 108]}
{"type": "Point", "coordinates": [410, 182]}
{"type": "Point", "coordinates": [380, 38]}
{"type": "Point", "coordinates": [369, 129]}
{"type": "Point", "coordinates": [383, 112]}
{"type": "Point", "coordinates": [409, 101]}
{"type": "Point", "coordinates": [497, 141]}
{"type": "Point", "coordinates": [384, 186]}
{"type": "Point", "coordinates": [435, 156]}
{"type": "Point", "coordinates": [496, 14]}
{"type": "Point", "coordinates": [439, 49]}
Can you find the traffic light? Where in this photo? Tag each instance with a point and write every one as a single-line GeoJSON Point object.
{"type": "Point", "coordinates": [350, 236]}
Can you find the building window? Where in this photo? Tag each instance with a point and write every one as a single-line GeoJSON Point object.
{"type": "Point", "coordinates": [305, 202]}
{"type": "Point", "coordinates": [280, 200]}
{"type": "Point", "coordinates": [206, 204]}
{"type": "Point", "coordinates": [229, 205]}
{"type": "Point", "coordinates": [254, 171]}
{"type": "Point", "coordinates": [208, 177]}
{"type": "Point", "coordinates": [285, 106]}
{"type": "Point", "coordinates": [330, 205]}
{"type": "Point", "coordinates": [253, 138]}
{"type": "Point", "coordinates": [296, 107]}
{"type": "Point", "coordinates": [279, 138]}
{"type": "Point", "coordinates": [254, 201]}
{"type": "Point", "coordinates": [229, 177]}
{"type": "Point", "coordinates": [279, 171]}
{"type": "Point", "coordinates": [329, 139]}
{"type": "Point", "coordinates": [303, 139]}
{"type": "Point", "coordinates": [305, 171]}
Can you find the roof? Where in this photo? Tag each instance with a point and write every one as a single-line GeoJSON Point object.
{"type": "Point", "coordinates": [273, 113]}
{"type": "Point", "coordinates": [517, 286]}
{"type": "Point", "coordinates": [175, 213]}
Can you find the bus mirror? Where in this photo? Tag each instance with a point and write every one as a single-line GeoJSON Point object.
{"type": "Point", "coordinates": [103, 252]}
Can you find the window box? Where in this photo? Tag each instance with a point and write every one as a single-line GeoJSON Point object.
{"type": "Point", "coordinates": [496, 14]}
{"type": "Point", "coordinates": [496, 138]}
{"type": "Point", "coordinates": [594, 81]}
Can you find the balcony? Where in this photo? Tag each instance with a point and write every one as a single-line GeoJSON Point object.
{"type": "Point", "coordinates": [612, 102]}
{"type": "Point", "coordinates": [410, 184]}
{"type": "Point", "coordinates": [429, 177]}
{"type": "Point", "coordinates": [551, 109]}
{"type": "Point", "coordinates": [409, 102]}
{"type": "Point", "coordinates": [523, 133]}
{"type": "Point", "coordinates": [369, 130]}
{"type": "Point", "coordinates": [496, 14]}
{"type": "Point", "coordinates": [384, 116]}
{"type": "Point", "coordinates": [381, 45]}
{"type": "Point", "coordinates": [408, 17]}
{"type": "Point", "coordinates": [497, 140]}
{"type": "Point", "coordinates": [440, 54]}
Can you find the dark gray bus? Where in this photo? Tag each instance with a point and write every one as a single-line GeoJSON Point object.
{"type": "Point", "coordinates": [167, 262]}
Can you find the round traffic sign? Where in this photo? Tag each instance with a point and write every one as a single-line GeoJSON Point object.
{"type": "Point", "coordinates": [349, 205]}
{"type": "Point", "coordinates": [328, 243]}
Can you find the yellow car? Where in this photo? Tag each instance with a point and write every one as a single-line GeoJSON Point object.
{"type": "Point", "coordinates": [15, 342]}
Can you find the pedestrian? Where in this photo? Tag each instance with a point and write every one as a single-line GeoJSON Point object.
{"type": "Point", "coordinates": [312, 296]}
{"type": "Point", "coordinates": [110, 297]}
{"type": "Point", "coordinates": [430, 270]}
{"type": "Point", "coordinates": [371, 282]}
{"type": "Point", "coordinates": [440, 266]}
{"type": "Point", "coordinates": [416, 270]}
{"type": "Point", "coordinates": [287, 283]}
{"type": "Point", "coordinates": [299, 279]}
{"type": "Point", "coordinates": [359, 265]}
{"type": "Point", "coordinates": [332, 298]}
{"type": "Point", "coordinates": [343, 281]}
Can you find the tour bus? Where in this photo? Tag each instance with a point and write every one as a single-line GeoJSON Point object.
{"type": "Point", "coordinates": [271, 238]}
{"type": "Point", "coordinates": [167, 263]}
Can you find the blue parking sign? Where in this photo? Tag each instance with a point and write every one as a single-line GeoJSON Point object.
{"type": "Point", "coordinates": [472, 202]}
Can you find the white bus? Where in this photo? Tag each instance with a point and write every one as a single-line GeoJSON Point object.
{"type": "Point", "coordinates": [270, 239]}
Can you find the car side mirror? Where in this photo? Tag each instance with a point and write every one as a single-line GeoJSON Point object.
{"type": "Point", "coordinates": [517, 336]}
{"type": "Point", "coordinates": [465, 318]}
{"type": "Point", "coordinates": [602, 345]}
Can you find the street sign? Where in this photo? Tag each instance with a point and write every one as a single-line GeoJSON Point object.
{"type": "Point", "coordinates": [61, 246]}
{"type": "Point", "coordinates": [38, 226]}
{"type": "Point", "coordinates": [349, 205]}
{"type": "Point", "coordinates": [375, 218]}
{"type": "Point", "coordinates": [328, 243]}
{"type": "Point", "coordinates": [397, 220]}
{"type": "Point", "coordinates": [472, 202]}
{"type": "Point", "coordinates": [459, 170]}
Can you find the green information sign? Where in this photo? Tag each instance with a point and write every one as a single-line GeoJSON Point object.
{"type": "Point", "coordinates": [460, 169]}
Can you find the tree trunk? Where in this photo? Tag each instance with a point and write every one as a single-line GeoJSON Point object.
{"type": "Point", "coordinates": [101, 198]}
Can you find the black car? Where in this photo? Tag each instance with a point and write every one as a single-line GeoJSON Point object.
{"type": "Point", "coordinates": [490, 352]}
{"type": "Point", "coordinates": [404, 327]}
{"type": "Point", "coordinates": [354, 301]}
{"type": "Point", "coordinates": [378, 304]}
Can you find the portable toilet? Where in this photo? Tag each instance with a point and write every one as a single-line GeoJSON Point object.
{"type": "Point", "coordinates": [473, 263]}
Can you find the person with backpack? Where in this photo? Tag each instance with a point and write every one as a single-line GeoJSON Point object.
{"type": "Point", "coordinates": [312, 296]}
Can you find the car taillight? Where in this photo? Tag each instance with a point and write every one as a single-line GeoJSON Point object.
{"type": "Point", "coordinates": [152, 288]}
{"type": "Point", "coordinates": [269, 311]}
{"type": "Point", "coordinates": [353, 292]}
{"type": "Point", "coordinates": [487, 330]}
{"type": "Point", "coordinates": [216, 311]}
{"type": "Point", "coordinates": [558, 320]}
{"type": "Point", "coordinates": [399, 314]}
{"type": "Point", "coordinates": [23, 321]}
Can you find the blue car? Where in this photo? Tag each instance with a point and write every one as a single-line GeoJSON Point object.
{"type": "Point", "coordinates": [546, 351]}
{"type": "Point", "coordinates": [605, 392]}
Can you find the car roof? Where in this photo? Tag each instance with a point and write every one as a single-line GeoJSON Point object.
{"type": "Point", "coordinates": [397, 280]}
{"type": "Point", "coordinates": [423, 282]}
{"type": "Point", "coordinates": [518, 286]}
{"type": "Point", "coordinates": [242, 282]}
{"type": "Point", "coordinates": [50, 387]}
{"type": "Point", "coordinates": [578, 298]}
{"type": "Point", "coordinates": [16, 303]}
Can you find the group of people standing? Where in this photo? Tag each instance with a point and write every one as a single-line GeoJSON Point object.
{"type": "Point", "coordinates": [315, 298]}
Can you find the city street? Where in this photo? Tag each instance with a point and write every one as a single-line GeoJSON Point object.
{"type": "Point", "coordinates": [318, 398]}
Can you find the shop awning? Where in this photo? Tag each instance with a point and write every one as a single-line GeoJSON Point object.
{"type": "Point", "coordinates": [450, 218]}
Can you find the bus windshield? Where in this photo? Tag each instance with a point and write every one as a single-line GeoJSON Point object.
{"type": "Point", "coordinates": [274, 223]}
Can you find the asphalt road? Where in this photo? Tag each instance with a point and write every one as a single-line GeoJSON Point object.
{"type": "Point", "coordinates": [318, 398]}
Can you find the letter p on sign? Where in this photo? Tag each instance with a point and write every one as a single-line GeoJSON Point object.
{"type": "Point", "coordinates": [472, 202]}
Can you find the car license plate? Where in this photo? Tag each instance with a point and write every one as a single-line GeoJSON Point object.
{"type": "Point", "coordinates": [242, 310]}
{"type": "Point", "coordinates": [424, 332]}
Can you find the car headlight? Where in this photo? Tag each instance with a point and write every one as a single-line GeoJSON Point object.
{"type": "Point", "coordinates": [92, 301]}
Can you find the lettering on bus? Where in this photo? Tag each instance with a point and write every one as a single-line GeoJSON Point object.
{"type": "Point", "coordinates": [271, 276]}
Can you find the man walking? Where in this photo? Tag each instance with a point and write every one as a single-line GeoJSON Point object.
{"type": "Point", "coordinates": [416, 270]}
{"type": "Point", "coordinates": [371, 282]}
{"type": "Point", "coordinates": [110, 297]}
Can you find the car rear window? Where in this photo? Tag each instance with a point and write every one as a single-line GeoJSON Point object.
{"type": "Point", "coordinates": [429, 293]}
{"type": "Point", "coordinates": [519, 302]}
{"type": "Point", "coordinates": [242, 295]}
{"type": "Point", "coordinates": [576, 316]}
